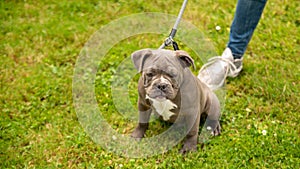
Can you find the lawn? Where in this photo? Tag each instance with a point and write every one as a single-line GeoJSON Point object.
{"type": "Point", "coordinates": [41, 42]}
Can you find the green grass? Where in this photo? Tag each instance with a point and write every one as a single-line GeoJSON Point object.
{"type": "Point", "coordinates": [41, 40]}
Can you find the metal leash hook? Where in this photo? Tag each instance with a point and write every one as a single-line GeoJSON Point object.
{"type": "Point", "coordinates": [169, 41]}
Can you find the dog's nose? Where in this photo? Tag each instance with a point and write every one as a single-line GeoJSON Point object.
{"type": "Point", "coordinates": [162, 86]}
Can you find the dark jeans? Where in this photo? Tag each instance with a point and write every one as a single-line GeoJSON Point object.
{"type": "Point", "coordinates": [246, 18]}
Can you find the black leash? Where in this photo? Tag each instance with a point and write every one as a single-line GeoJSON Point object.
{"type": "Point", "coordinates": [169, 41]}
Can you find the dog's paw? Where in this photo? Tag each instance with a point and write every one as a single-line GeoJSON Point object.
{"type": "Point", "coordinates": [217, 130]}
{"type": "Point", "coordinates": [136, 139]}
{"type": "Point", "coordinates": [188, 148]}
{"type": "Point", "coordinates": [139, 131]}
{"type": "Point", "coordinates": [213, 126]}
{"type": "Point", "coordinates": [137, 134]}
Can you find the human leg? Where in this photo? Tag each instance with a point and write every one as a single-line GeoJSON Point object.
{"type": "Point", "coordinates": [247, 16]}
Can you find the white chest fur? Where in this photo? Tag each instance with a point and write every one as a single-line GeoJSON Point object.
{"type": "Point", "coordinates": [163, 107]}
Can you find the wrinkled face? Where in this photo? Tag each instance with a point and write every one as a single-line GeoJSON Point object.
{"type": "Point", "coordinates": [161, 84]}
{"type": "Point", "coordinates": [162, 71]}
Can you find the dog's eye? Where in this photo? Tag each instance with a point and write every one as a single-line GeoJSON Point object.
{"type": "Point", "coordinates": [173, 74]}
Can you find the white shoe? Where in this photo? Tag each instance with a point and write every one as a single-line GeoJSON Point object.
{"type": "Point", "coordinates": [214, 73]}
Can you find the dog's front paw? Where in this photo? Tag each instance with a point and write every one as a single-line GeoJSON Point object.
{"type": "Point", "coordinates": [137, 134]}
{"type": "Point", "coordinates": [139, 131]}
{"type": "Point", "coordinates": [190, 144]}
{"type": "Point", "coordinates": [188, 148]}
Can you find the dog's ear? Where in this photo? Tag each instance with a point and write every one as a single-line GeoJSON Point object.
{"type": "Point", "coordinates": [139, 57]}
{"type": "Point", "coordinates": [185, 58]}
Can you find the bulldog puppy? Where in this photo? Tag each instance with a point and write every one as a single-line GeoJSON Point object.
{"type": "Point", "coordinates": [168, 88]}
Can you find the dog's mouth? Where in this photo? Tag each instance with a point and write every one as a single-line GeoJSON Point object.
{"type": "Point", "coordinates": [159, 98]}
{"type": "Point", "coordinates": [160, 95]}
{"type": "Point", "coordinates": [160, 91]}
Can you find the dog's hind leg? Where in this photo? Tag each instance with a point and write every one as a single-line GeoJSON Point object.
{"type": "Point", "coordinates": [212, 123]}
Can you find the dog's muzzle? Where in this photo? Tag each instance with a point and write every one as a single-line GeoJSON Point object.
{"type": "Point", "coordinates": [160, 88]}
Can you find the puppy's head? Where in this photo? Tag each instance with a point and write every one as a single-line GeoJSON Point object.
{"type": "Point", "coordinates": [162, 71]}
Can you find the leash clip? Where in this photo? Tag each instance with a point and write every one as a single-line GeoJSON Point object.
{"type": "Point", "coordinates": [169, 41]}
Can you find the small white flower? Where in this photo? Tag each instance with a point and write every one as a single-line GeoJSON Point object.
{"type": "Point", "coordinates": [218, 28]}
{"type": "Point", "coordinates": [264, 132]}
{"type": "Point", "coordinates": [248, 110]}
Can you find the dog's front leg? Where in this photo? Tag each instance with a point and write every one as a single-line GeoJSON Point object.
{"type": "Point", "coordinates": [191, 140]}
{"type": "Point", "coordinates": [139, 131]}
